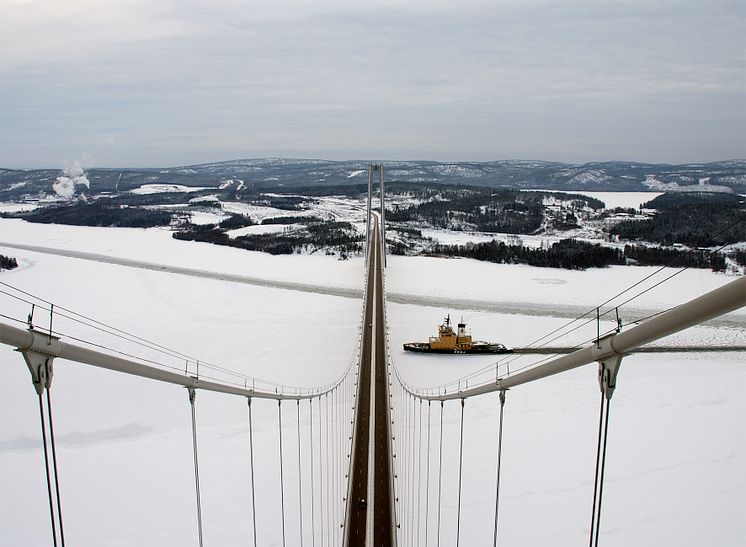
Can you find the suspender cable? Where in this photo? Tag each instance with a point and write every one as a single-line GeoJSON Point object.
{"type": "Point", "coordinates": [253, 489]}
{"type": "Point", "coordinates": [282, 482]}
{"type": "Point", "coordinates": [334, 467]}
{"type": "Point", "coordinates": [411, 474]}
{"type": "Point", "coordinates": [600, 459]}
{"type": "Point", "coordinates": [300, 480]}
{"type": "Point", "coordinates": [460, 469]}
{"type": "Point", "coordinates": [339, 422]}
{"type": "Point", "coordinates": [321, 475]}
{"type": "Point", "coordinates": [46, 470]}
{"type": "Point", "coordinates": [192, 394]}
{"type": "Point", "coordinates": [427, 479]}
{"type": "Point", "coordinates": [603, 468]}
{"type": "Point", "coordinates": [338, 462]}
{"type": "Point", "coordinates": [410, 465]}
{"type": "Point", "coordinates": [313, 497]}
{"type": "Point", "coordinates": [440, 469]}
{"type": "Point", "coordinates": [405, 463]}
{"type": "Point", "coordinates": [54, 464]}
{"type": "Point", "coordinates": [499, 456]}
{"type": "Point", "coordinates": [405, 467]}
{"type": "Point", "coordinates": [329, 471]}
{"type": "Point", "coordinates": [419, 469]}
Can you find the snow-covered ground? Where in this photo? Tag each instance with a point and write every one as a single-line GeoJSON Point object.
{"type": "Point", "coordinates": [17, 207]}
{"type": "Point", "coordinates": [263, 229]}
{"type": "Point", "coordinates": [627, 200]}
{"type": "Point", "coordinates": [161, 188]}
{"type": "Point", "coordinates": [206, 217]}
{"type": "Point", "coordinates": [676, 471]}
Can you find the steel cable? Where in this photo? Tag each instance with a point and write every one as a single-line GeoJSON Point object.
{"type": "Point", "coordinates": [427, 480]}
{"type": "Point", "coordinates": [600, 481]}
{"type": "Point", "coordinates": [460, 469]}
{"type": "Point", "coordinates": [46, 470]}
{"type": "Point", "coordinates": [192, 395]}
{"type": "Point", "coordinates": [54, 464]}
{"type": "Point", "coordinates": [253, 488]}
{"type": "Point", "coordinates": [499, 458]}
{"type": "Point", "coordinates": [419, 470]}
{"type": "Point", "coordinates": [282, 482]}
{"type": "Point", "coordinates": [440, 470]}
{"type": "Point", "coordinates": [300, 479]}
{"type": "Point", "coordinates": [313, 494]}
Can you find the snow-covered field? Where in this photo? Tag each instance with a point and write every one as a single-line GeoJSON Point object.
{"type": "Point", "coordinates": [627, 200]}
{"type": "Point", "coordinates": [263, 229]}
{"type": "Point", "coordinates": [676, 471]}
{"type": "Point", "coordinates": [160, 188]}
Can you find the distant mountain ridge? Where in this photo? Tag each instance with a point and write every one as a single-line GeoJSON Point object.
{"type": "Point", "coordinates": [266, 173]}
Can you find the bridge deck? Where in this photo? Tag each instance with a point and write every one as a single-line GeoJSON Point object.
{"type": "Point", "coordinates": [370, 516]}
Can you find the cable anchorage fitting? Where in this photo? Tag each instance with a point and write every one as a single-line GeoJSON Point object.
{"type": "Point", "coordinates": [608, 364]}
{"type": "Point", "coordinates": [40, 362]}
{"type": "Point", "coordinates": [607, 374]}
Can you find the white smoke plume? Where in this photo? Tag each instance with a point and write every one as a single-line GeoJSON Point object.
{"type": "Point", "coordinates": [72, 176]}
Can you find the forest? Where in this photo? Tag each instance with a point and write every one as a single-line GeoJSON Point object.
{"type": "Point", "coordinates": [99, 213]}
{"type": "Point", "coordinates": [488, 210]}
{"type": "Point", "coordinates": [573, 254]}
{"type": "Point", "coordinates": [692, 219]}
{"type": "Point", "coordinates": [331, 236]}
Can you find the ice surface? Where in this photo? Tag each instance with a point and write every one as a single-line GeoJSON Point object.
{"type": "Point", "coordinates": [677, 446]}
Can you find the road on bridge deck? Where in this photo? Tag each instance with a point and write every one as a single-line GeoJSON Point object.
{"type": "Point", "coordinates": [370, 515]}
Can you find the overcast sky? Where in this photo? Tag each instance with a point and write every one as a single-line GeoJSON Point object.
{"type": "Point", "coordinates": [175, 82]}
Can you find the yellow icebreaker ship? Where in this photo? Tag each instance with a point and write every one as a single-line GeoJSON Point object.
{"type": "Point", "coordinates": [449, 341]}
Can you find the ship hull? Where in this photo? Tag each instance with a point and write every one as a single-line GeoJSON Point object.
{"type": "Point", "coordinates": [421, 347]}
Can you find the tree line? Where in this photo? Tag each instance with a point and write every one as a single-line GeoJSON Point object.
{"type": "Point", "coordinates": [99, 213]}
{"type": "Point", "coordinates": [689, 220]}
{"type": "Point", "coordinates": [573, 254]}
{"type": "Point", "coordinates": [331, 236]}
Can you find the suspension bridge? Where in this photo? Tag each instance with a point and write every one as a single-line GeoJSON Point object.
{"type": "Point", "coordinates": [364, 436]}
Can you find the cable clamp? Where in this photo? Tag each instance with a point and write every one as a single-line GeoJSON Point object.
{"type": "Point", "coordinates": [40, 362]}
{"type": "Point", "coordinates": [41, 368]}
{"type": "Point", "coordinates": [607, 374]}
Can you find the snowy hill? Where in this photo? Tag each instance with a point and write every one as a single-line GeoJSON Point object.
{"type": "Point", "coordinates": [728, 176]}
